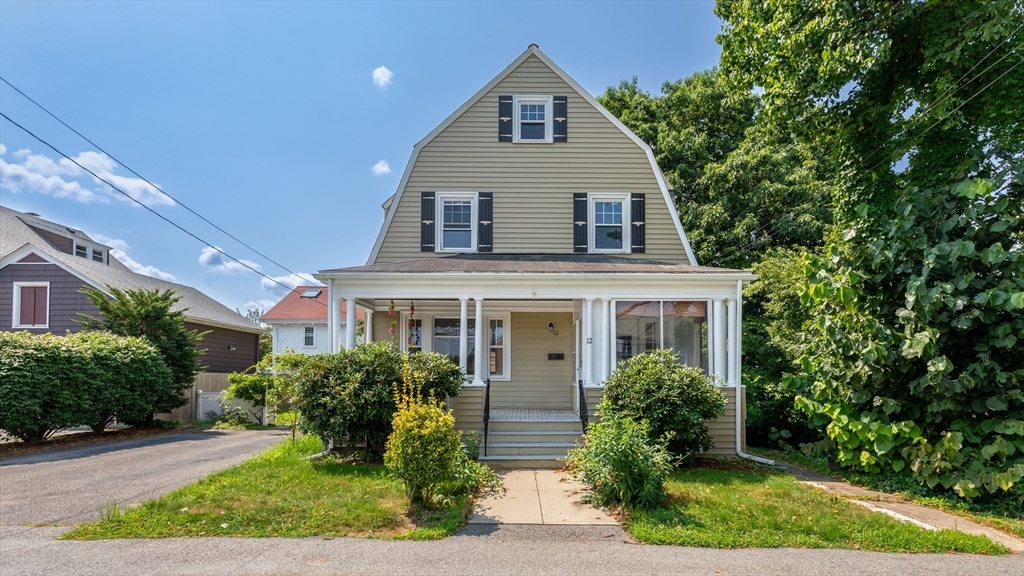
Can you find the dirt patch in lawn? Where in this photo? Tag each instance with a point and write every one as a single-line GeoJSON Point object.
{"type": "Point", "coordinates": [727, 465]}
{"type": "Point", "coordinates": [76, 439]}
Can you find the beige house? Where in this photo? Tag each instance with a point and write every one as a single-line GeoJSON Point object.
{"type": "Point", "coordinates": [534, 240]}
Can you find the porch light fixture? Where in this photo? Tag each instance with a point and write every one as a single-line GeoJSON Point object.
{"type": "Point", "coordinates": [230, 347]}
{"type": "Point", "coordinates": [551, 327]}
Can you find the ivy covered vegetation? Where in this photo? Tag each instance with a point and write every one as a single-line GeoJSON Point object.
{"type": "Point", "coordinates": [869, 169]}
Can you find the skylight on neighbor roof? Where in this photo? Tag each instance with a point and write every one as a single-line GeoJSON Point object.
{"type": "Point", "coordinates": [311, 293]}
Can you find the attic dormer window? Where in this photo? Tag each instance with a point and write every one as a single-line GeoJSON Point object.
{"type": "Point", "coordinates": [90, 253]}
{"type": "Point", "coordinates": [81, 251]}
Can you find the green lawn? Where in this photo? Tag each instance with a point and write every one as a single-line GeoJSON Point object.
{"type": "Point", "coordinates": [768, 509]}
{"type": "Point", "coordinates": [280, 493]}
{"type": "Point", "coordinates": [1005, 519]}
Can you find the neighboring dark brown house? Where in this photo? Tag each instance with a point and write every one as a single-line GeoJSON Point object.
{"type": "Point", "coordinates": [43, 265]}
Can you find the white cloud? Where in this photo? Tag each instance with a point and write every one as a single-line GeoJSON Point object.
{"type": "Point", "coordinates": [261, 304]}
{"type": "Point", "coordinates": [213, 259]}
{"type": "Point", "coordinates": [382, 77]}
{"type": "Point", "coordinates": [3, 149]}
{"type": "Point", "coordinates": [118, 248]}
{"type": "Point", "coordinates": [39, 173]}
{"type": "Point", "coordinates": [291, 281]}
{"type": "Point", "coordinates": [381, 168]}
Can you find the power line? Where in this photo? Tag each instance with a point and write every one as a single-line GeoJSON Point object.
{"type": "Point", "coordinates": [144, 179]}
{"type": "Point", "coordinates": [133, 199]}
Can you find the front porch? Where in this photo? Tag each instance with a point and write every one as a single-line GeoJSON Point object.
{"type": "Point", "coordinates": [530, 341]}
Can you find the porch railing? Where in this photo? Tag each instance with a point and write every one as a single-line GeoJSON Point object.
{"type": "Point", "coordinates": [487, 411]}
{"type": "Point", "coordinates": [584, 415]}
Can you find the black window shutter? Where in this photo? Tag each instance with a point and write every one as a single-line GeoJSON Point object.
{"type": "Point", "coordinates": [561, 117]}
{"type": "Point", "coordinates": [427, 216]}
{"type": "Point", "coordinates": [485, 226]}
{"type": "Point", "coordinates": [637, 235]}
{"type": "Point", "coordinates": [505, 119]}
{"type": "Point", "coordinates": [579, 224]}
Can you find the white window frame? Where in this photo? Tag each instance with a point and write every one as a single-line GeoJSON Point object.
{"type": "Point", "coordinates": [506, 323]}
{"type": "Point", "coordinates": [90, 252]}
{"type": "Point", "coordinates": [439, 227]}
{"type": "Point", "coordinates": [627, 221]}
{"type": "Point", "coordinates": [304, 345]}
{"type": "Point", "coordinates": [16, 311]}
{"type": "Point", "coordinates": [548, 102]}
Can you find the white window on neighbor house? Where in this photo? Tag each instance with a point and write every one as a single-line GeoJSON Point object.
{"type": "Point", "coordinates": [90, 253]}
{"type": "Point", "coordinates": [532, 118]}
{"type": "Point", "coordinates": [81, 250]}
{"type": "Point", "coordinates": [97, 256]}
{"type": "Point", "coordinates": [457, 216]}
{"type": "Point", "coordinates": [308, 336]}
{"type": "Point", "coordinates": [31, 305]}
{"type": "Point", "coordinates": [609, 223]}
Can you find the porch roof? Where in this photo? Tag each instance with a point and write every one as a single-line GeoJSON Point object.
{"type": "Point", "coordinates": [533, 264]}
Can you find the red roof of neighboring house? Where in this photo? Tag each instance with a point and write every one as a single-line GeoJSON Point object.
{"type": "Point", "coordinates": [294, 307]}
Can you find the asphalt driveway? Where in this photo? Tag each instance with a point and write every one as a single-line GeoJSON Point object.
{"type": "Point", "coordinates": [71, 486]}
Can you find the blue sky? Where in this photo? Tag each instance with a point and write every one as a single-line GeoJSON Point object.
{"type": "Point", "coordinates": [268, 118]}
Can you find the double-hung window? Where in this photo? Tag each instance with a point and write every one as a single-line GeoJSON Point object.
{"type": "Point", "coordinates": [446, 336]}
{"type": "Point", "coordinates": [457, 216]}
{"type": "Point", "coordinates": [609, 223]}
{"type": "Point", "coordinates": [90, 253]}
{"type": "Point", "coordinates": [532, 116]}
{"type": "Point", "coordinates": [31, 305]}
{"type": "Point", "coordinates": [308, 336]}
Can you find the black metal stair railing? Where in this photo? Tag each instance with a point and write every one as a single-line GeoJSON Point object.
{"type": "Point", "coordinates": [487, 411]}
{"type": "Point", "coordinates": [584, 415]}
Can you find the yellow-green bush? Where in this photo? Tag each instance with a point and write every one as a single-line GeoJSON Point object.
{"type": "Point", "coordinates": [422, 449]}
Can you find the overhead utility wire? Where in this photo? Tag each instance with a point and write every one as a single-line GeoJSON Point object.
{"type": "Point", "coordinates": [775, 226]}
{"type": "Point", "coordinates": [948, 92]}
{"type": "Point", "coordinates": [144, 179]}
{"type": "Point", "coordinates": [159, 215]}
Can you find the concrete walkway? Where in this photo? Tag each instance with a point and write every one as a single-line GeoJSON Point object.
{"type": "Point", "coordinates": [538, 497]}
{"type": "Point", "coordinates": [927, 518]}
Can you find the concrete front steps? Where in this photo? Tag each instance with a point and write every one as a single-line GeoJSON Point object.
{"type": "Point", "coordinates": [540, 439]}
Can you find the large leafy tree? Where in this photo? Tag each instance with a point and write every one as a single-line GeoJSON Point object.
{"type": "Point", "coordinates": [733, 175]}
{"type": "Point", "coordinates": [912, 362]}
{"type": "Point", "coordinates": [150, 315]}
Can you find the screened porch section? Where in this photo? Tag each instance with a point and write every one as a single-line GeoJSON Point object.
{"type": "Point", "coordinates": [678, 326]}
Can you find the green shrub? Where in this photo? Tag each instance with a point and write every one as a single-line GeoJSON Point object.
{"type": "Point", "coordinates": [52, 382]}
{"type": "Point", "coordinates": [350, 395]}
{"type": "Point", "coordinates": [423, 449]}
{"type": "Point", "coordinates": [674, 399]}
{"type": "Point", "coordinates": [621, 462]}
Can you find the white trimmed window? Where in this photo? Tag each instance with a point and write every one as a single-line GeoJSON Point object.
{"type": "Point", "coordinates": [90, 253]}
{"type": "Point", "coordinates": [609, 223]}
{"type": "Point", "coordinates": [308, 336]}
{"type": "Point", "coordinates": [31, 305]}
{"type": "Point", "coordinates": [445, 340]}
{"type": "Point", "coordinates": [498, 361]}
{"type": "Point", "coordinates": [532, 116]}
{"type": "Point", "coordinates": [457, 221]}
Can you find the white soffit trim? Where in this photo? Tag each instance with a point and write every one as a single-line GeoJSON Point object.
{"type": "Point", "coordinates": [533, 50]}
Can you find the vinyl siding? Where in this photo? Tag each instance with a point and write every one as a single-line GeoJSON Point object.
{"type": "Point", "coordinates": [532, 184]}
{"type": "Point", "coordinates": [293, 337]}
{"type": "Point", "coordinates": [65, 301]}
{"type": "Point", "coordinates": [468, 408]}
{"type": "Point", "coordinates": [723, 430]}
{"type": "Point", "coordinates": [62, 243]}
{"type": "Point", "coordinates": [219, 357]}
{"type": "Point", "coordinates": [536, 381]}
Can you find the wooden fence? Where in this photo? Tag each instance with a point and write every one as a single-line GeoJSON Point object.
{"type": "Point", "coordinates": [207, 382]}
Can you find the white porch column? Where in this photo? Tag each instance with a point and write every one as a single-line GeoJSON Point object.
{"type": "Point", "coordinates": [463, 333]}
{"type": "Point", "coordinates": [612, 340]}
{"type": "Point", "coordinates": [330, 316]}
{"type": "Point", "coordinates": [368, 327]}
{"type": "Point", "coordinates": [350, 323]}
{"type": "Point", "coordinates": [605, 342]}
{"type": "Point", "coordinates": [588, 342]}
{"type": "Point", "coordinates": [734, 337]}
{"type": "Point", "coordinates": [718, 325]}
{"type": "Point", "coordinates": [335, 324]}
{"type": "Point", "coordinates": [480, 353]}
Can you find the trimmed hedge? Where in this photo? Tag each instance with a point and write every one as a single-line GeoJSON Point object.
{"type": "Point", "coordinates": [49, 382]}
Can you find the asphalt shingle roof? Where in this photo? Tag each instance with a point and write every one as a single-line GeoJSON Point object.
{"type": "Point", "coordinates": [534, 264]}
{"type": "Point", "coordinates": [200, 308]}
{"type": "Point", "coordinates": [294, 307]}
